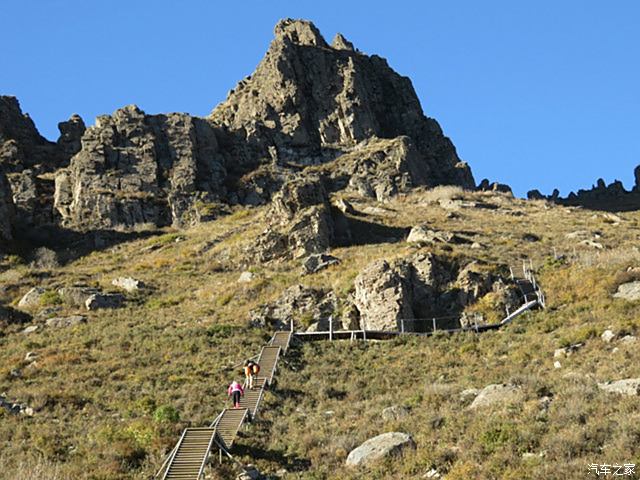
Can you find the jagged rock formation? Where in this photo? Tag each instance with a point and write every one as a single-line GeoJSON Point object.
{"type": "Point", "coordinates": [7, 213]}
{"type": "Point", "coordinates": [348, 115]}
{"type": "Point", "coordinates": [29, 161]}
{"type": "Point", "coordinates": [135, 169]}
{"type": "Point", "coordinates": [612, 197]}
{"type": "Point", "coordinates": [308, 102]}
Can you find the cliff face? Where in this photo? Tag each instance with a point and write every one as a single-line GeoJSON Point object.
{"type": "Point", "coordinates": [139, 169]}
{"type": "Point", "coordinates": [6, 212]}
{"type": "Point", "coordinates": [309, 101]}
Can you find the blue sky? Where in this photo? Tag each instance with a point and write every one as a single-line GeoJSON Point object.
{"type": "Point", "coordinates": [537, 94]}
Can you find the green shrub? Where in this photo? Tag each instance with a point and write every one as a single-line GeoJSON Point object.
{"type": "Point", "coordinates": [166, 414]}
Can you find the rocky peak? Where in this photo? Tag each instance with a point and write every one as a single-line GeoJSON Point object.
{"type": "Point", "coordinates": [341, 43]}
{"type": "Point", "coordinates": [307, 103]}
{"type": "Point", "coordinates": [300, 32]}
{"type": "Point", "coordinates": [21, 146]}
{"type": "Point", "coordinates": [71, 132]}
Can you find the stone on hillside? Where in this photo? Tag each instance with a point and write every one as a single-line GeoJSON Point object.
{"type": "Point", "coordinates": [379, 447]}
{"type": "Point", "coordinates": [295, 302]}
{"type": "Point", "coordinates": [318, 261]}
{"type": "Point", "coordinates": [128, 284]}
{"type": "Point", "coordinates": [629, 386]}
{"type": "Point", "coordinates": [424, 234]}
{"type": "Point", "coordinates": [104, 300]}
{"type": "Point", "coordinates": [250, 472]}
{"type": "Point", "coordinates": [592, 244]}
{"type": "Point", "coordinates": [628, 291]}
{"type": "Point", "coordinates": [382, 297]}
{"type": "Point", "coordinates": [468, 395]}
{"type": "Point", "coordinates": [32, 298]}
{"type": "Point", "coordinates": [394, 412]}
{"type": "Point", "coordinates": [472, 284]}
{"type": "Point", "coordinates": [350, 315]}
{"type": "Point", "coordinates": [495, 394]}
{"type": "Point", "coordinates": [607, 336]}
{"type": "Point", "coordinates": [30, 329]}
{"type": "Point", "coordinates": [628, 339]}
{"type": "Point", "coordinates": [77, 295]}
{"type": "Point", "coordinates": [30, 356]}
{"type": "Point", "coordinates": [61, 322]}
{"type": "Point", "coordinates": [246, 277]}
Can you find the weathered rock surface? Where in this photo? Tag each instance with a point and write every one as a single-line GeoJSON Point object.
{"type": "Point", "coordinates": [382, 296]}
{"type": "Point", "coordinates": [296, 302]}
{"type": "Point", "coordinates": [61, 322]}
{"type": "Point", "coordinates": [104, 300]}
{"type": "Point", "coordinates": [423, 286]}
{"type": "Point", "coordinates": [424, 234]}
{"type": "Point", "coordinates": [379, 447]}
{"type": "Point", "coordinates": [135, 169]}
{"type": "Point", "coordinates": [7, 211]}
{"type": "Point", "coordinates": [318, 261]}
{"type": "Point", "coordinates": [394, 412]}
{"type": "Point", "coordinates": [128, 284]}
{"type": "Point", "coordinates": [607, 336]}
{"type": "Point", "coordinates": [31, 298]}
{"type": "Point", "coordinates": [307, 102]}
{"type": "Point", "coordinates": [495, 394]}
{"type": "Point", "coordinates": [628, 386]}
{"type": "Point", "coordinates": [628, 291]}
{"type": "Point", "coordinates": [77, 295]}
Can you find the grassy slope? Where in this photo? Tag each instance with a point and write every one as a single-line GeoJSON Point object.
{"type": "Point", "coordinates": [106, 392]}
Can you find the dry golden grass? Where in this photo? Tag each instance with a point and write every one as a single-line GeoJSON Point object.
{"type": "Point", "coordinates": [104, 391]}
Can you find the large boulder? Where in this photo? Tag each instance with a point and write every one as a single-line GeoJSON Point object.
{"type": "Point", "coordinates": [628, 291]}
{"type": "Point", "coordinates": [99, 301]}
{"type": "Point", "coordinates": [628, 386]}
{"type": "Point", "coordinates": [496, 394]}
{"type": "Point", "coordinates": [382, 297]}
{"type": "Point", "coordinates": [135, 168]}
{"type": "Point", "coordinates": [297, 303]}
{"type": "Point", "coordinates": [31, 299]}
{"type": "Point", "coordinates": [379, 447]}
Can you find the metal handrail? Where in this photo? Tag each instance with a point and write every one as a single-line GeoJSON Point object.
{"type": "Point", "coordinates": [175, 451]}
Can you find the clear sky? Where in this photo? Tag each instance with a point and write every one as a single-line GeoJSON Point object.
{"type": "Point", "coordinates": [536, 94]}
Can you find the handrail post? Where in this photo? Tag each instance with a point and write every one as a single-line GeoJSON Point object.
{"type": "Point", "coordinates": [402, 325]}
{"type": "Point", "coordinates": [330, 328]}
{"type": "Point", "coordinates": [434, 324]}
{"type": "Point", "coordinates": [292, 325]}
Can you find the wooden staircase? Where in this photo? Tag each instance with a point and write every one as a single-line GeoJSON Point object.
{"type": "Point", "coordinates": [190, 455]}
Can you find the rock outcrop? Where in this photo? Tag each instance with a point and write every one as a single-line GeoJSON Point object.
{"type": "Point", "coordinates": [308, 102]}
{"type": "Point", "coordinates": [611, 197]}
{"type": "Point", "coordinates": [495, 394]}
{"type": "Point", "coordinates": [296, 304]}
{"type": "Point", "coordinates": [379, 447]}
{"type": "Point", "coordinates": [7, 211]}
{"type": "Point", "coordinates": [411, 290]}
{"type": "Point", "coordinates": [141, 169]}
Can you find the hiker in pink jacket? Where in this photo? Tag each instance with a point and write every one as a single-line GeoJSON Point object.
{"type": "Point", "coordinates": [235, 391]}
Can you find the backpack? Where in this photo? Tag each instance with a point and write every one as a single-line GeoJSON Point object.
{"type": "Point", "coordinates": [256, 368]}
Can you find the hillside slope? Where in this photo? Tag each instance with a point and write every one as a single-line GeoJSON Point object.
{"type": "Point", "coordinates": [109, 397]}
